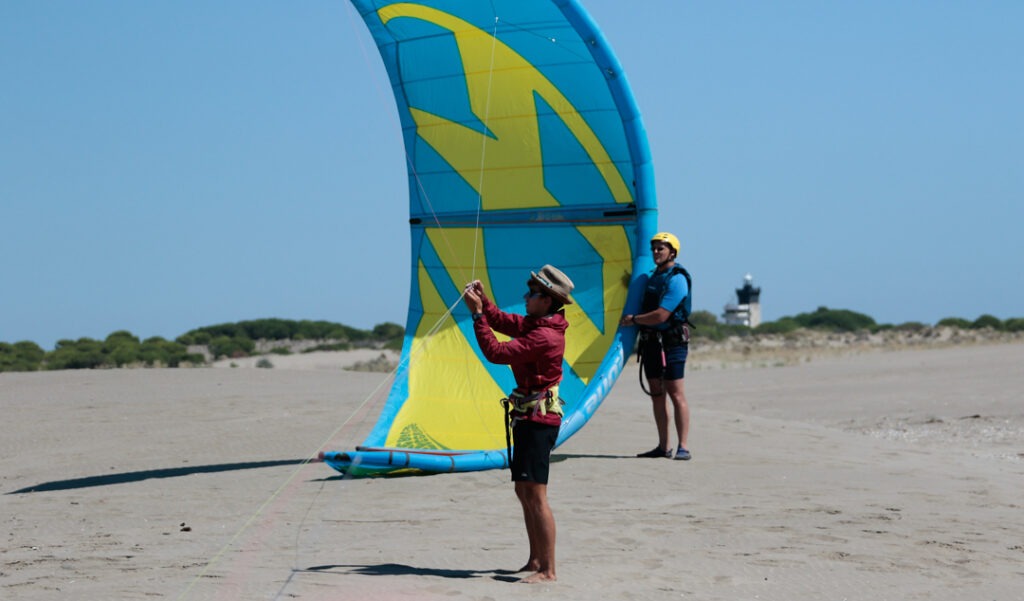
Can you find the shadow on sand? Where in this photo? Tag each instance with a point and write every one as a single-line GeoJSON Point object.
{"type": "Point", "coordinates": [397, 569]}
{"type": "Point", "coordinates": [558, 457]}
{"type": "Point", "coordinates": [173, 472]}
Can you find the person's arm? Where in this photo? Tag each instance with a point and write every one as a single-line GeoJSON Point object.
{"type": "Point", "coordinates": [526, 348]}
{"type": "Point", "coordinates": [651, 318]}
{"type": "Point", "coordinates": [677, 291]}
{"type": "Point", "coordinates": [482, 309]}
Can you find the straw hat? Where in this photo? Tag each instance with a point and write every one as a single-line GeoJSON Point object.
{"type": "Point", "coordinates": [553, 282]}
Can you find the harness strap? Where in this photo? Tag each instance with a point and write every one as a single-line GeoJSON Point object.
{"type": "Point", "coordinates": [542, 402]}
{"type": "Point", "coordinates": [641, 350]}
{"type": "Point", "coordinates": [517, 405]}
{"type": "Point", "coordinates": [508, 432]}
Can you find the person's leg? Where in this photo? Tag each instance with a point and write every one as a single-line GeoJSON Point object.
{"type": "Point", "coordinates": [533, 563]}
{"type": "Point", "coordinates": [659, 404]}
{"type": "Point", "coordinates": [540, 528]}
{"type": "Point", "coordinates": [676, 392]}
{"type": "Point", "coordinates": [530, 467]}
{"type": "Point", "coordinates": [653, 366]}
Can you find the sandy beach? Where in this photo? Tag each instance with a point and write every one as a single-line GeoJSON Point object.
{"type": "Point", "coordinates": [882, 475]}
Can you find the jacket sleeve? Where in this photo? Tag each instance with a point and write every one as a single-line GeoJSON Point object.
{"type": "Point", "coordinates": [526, 348]}
{"type": "Point", "coordinates": [508, 324]}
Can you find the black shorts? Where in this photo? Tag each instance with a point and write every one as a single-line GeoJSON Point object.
{"type": "Point", "coordinates": [531, 453]}
{"type": "Point", "coordinates": [675, 362]}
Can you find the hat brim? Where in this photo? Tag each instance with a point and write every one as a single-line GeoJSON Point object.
{"type": "Point", "coordinates": [565, 300]}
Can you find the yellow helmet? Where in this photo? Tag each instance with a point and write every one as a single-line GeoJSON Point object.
{"type": "Point", "coordinates": [667, 238]}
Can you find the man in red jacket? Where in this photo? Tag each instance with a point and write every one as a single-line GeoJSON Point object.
{"type": "Point", "coordinates": [535, 355]}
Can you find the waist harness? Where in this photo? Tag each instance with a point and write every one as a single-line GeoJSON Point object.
{"type": "Point", "coordinates": [656, 341]}
{"type": "Point", "coordinates": [519, 406]}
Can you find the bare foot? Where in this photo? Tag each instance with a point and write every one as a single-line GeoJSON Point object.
{"type": "Point", "coordinates": [539, 577]}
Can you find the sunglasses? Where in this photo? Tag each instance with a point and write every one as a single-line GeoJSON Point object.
{"type": "Point", "coordinates": [532, 294]}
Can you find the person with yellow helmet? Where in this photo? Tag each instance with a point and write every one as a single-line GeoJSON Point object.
{"type": "Point", "coordinates": [664, 342]}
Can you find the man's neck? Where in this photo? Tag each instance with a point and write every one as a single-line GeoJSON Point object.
{"type": "Point", "coordinates": [665, 266]}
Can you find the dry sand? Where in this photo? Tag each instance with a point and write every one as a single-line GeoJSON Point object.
{"type": "Point", "coordinates": [887, 475]}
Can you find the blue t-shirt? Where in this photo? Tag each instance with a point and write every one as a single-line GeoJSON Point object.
{"type": "Point", "coordinates": [672, 289]}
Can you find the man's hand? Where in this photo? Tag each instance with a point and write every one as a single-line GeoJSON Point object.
{"type": "Point", "coordinates": [474, 296]}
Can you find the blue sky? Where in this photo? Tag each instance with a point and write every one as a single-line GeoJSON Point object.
{"type": "Point", "coordinates": [170, 165]}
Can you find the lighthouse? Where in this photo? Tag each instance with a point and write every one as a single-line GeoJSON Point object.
{"type": "Point", "coordinates": [746, 311]}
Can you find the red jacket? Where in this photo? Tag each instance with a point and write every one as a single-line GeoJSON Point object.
{"type": "Point", "coordinates": [535, 351]}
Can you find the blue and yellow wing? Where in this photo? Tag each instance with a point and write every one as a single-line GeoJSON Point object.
{"type": "Point", "coordinates": [524, 147]}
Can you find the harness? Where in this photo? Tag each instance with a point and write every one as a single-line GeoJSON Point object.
{"type": "Point", "coordinates": [519, 406]}
{"type": "Point", "coordinates": [678, 332]}
{"type": "Point", "coordinates": [648, 340]}
{"type": "Point", "coordinates": [651, 299]}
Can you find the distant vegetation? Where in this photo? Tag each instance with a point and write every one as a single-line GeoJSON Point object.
{"type": "Point", "coordinates": [235, 340]}
{"type": "Point", "coordinates": [838, 320]}
{"type": "Point", "coordinates": [119, 349]}
{"type": "Point", "coordinates": [239, 339]}
{"type": "Point", "coordinates": [123, 349]}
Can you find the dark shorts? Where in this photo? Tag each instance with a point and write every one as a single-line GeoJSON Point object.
{"type": "Point", "coordinates": [675, 362]}
{"type": "Point", "coordinates": [531, 453]}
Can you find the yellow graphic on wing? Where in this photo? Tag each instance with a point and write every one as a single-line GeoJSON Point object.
{"type": "Point", "coordinates": [586, 347]}
{"type": "Point", "coordinates": [501, 85]}
{"type": "Point", "coordinates": [461, 251]}
{"type": "Point", "coordinates": [463, 265]}
{"type": "Point", "coordinates": [457, 399]}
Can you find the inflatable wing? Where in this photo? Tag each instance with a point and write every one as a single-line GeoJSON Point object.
{"type": "Point", "coordinates": [524, 147]}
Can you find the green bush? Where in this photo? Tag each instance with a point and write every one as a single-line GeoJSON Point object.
{"type": "Point", "coordinates": [910, 326]}
{"type": "Point", "coordinates": [835, 320]}
{"type": "Point", "coordinates": [706, 326]}
{"type": "Point", "coordinates": [784, 325]}
{"type": "Point", "coordinates": [194, 338]}
{"type": "Point", "coordinates": [21, 356]}
{"type": "Point", "coordinates": [233, 347]}
{"type": "Point", "coordinates": [1014, 324]}
{"type": "Point", "coordinates": [325, 330]}
{"type": "Point", "coordinates": [987, 321]}
{"type": "Point", "coordinates": [704, 319]}
{"type": "Point", "coordinates": [121, 348]}
{"type": "Point", "coordinates": [84, 353]}
{"type": "Point", "coordinates": [388, 331]}
{"type": "Point", "coordinates": [954, 322]}
{"type": "Point", "coordinates": [275, 329]}
{"type": "Point", "coordinates": [158, 351]}
{"type": "Point", "coordinates": [121, 337]}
